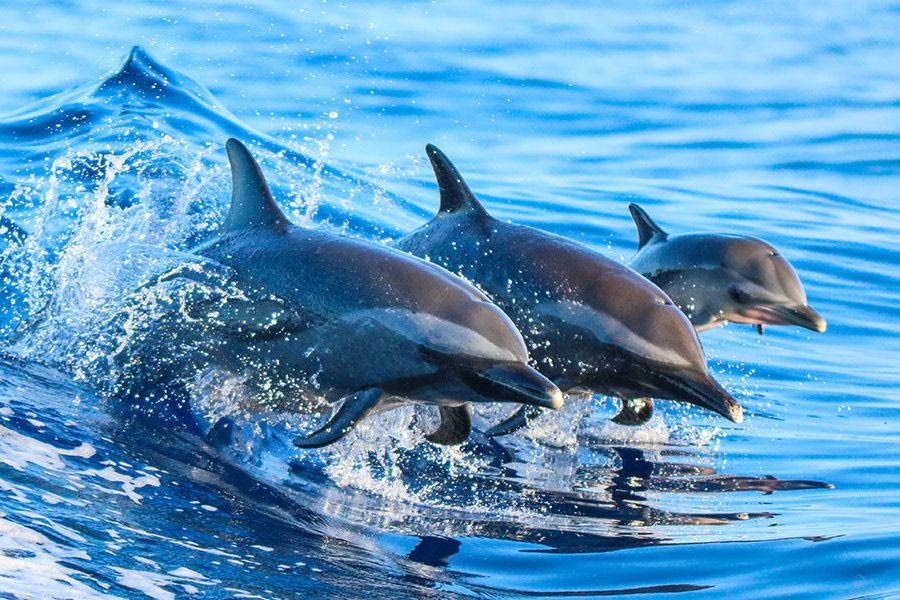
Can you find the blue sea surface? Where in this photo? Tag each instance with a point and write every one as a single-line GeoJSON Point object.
{"type": "Point", "coordinates": [778, 120]}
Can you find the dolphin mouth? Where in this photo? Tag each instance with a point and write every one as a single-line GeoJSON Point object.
{"type": "Point", "coordinates": [801, 315]}
{"type": "Point", "coordinates": [705, 392]}
{"type": "Point", "coordinates": [520, 383]}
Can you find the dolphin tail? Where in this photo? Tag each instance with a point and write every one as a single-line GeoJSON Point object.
{"type": "Point", "coordinates": [648, 230]}
{"type": "Point", "coordinates": [355, 408]}
{"type": "Point", "coordinates": [455, 427]}
{"type": "Point", "coordinates": [635, 411]}
{"type": "Point", "coordinates": [513, 423]}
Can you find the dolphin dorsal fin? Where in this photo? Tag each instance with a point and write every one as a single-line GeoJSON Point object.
{"type": "Point", "coordinates": [456, 197]}
{"type": "Point", "coordinates": [251, 201]}
{"type": "Point", "coordinates": [648, 231]}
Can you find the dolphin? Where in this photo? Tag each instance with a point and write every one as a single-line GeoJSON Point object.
{"type": "Point", "coordinates": [716, 278]}
{"type": "Point", "coordinates": [343, 320]}
{"type": "Point", "coordinates": [589, 322]}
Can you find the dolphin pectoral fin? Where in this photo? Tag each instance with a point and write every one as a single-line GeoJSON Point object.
{"type": "Point", "coordinates": [634, 412]}
{"type": "Point", "coordinates": [648, 230]}
{"type": "Point", "coordinates": [455, 427]}
{"type": "Point", "coordinates": [514, 423]}
{"type": "Point", "coordinates": [355, 408]}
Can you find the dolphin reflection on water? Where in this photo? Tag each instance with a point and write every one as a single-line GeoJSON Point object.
{"type": "Point", "coordinates": [614, 505]}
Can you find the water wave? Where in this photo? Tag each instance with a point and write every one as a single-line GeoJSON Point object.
{"type": "Point", "coordinates": [107, 185]}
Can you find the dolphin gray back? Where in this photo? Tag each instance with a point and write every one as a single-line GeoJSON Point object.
{"type": "Point", "coordinates": [331, 275]}
{"type": "Point", "coordinates": [658, 252]}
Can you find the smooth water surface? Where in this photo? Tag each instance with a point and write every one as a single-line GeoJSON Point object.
{"type": "Point", "coordinates": [779, 120]}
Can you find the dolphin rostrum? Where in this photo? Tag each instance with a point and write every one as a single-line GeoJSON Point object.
{"type": "Point", "coordinates": [589, 322]}
{"type": "Point", "coordinates": [715, 278]}
{"type": "Point", "coordinates": [345, 320]}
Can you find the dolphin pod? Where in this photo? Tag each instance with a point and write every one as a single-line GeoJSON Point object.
{"type": "Point", "coordinates": [716, 278]}
{"type": "Point", "coordinates": [368, 327]}
{"type": "Point", "coordinates": [350, 322]}
{"type": "Point", "coordinates": [589, 322]}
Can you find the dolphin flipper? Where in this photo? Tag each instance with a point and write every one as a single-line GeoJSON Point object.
{"type": "Point", "coordinates": [355, 408]}
{"type": "Point", "coordinates": [517, 421]}
{"type": "Point", "coordinates": [455, 427]}
{"type": "Point", "coordinates": [635, 411]}
{"type": "Point", "coordinates": [648, 230]}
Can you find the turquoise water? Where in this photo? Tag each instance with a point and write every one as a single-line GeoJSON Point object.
{"type": "Point", "coordinates": [779, 121]}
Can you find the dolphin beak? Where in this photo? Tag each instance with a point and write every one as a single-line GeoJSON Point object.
{"type": "Point", "coordinates": [704, 391]}
{"type": "Point", "coordinates": [516, 382]}
{"type": "Point", "coordinates": [802, 316]}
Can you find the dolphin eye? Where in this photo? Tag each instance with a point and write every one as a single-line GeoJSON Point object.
{"type": "Point", "coordinates": [738, 295]}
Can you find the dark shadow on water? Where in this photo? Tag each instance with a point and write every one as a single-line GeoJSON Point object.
{"type": "Point", "coordinates": [434, 551]}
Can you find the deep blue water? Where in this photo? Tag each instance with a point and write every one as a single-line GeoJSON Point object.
{"type": "Point", "coordinates": [779, 120]}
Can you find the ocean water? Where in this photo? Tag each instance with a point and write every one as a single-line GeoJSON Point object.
{"type": "Point", "coordinates": [780, 120]}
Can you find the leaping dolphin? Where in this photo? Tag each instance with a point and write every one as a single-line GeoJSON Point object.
{"type": "Point", "coordinates": [715, 277]}
{"type": "Point", "coordinates": [348, 321]}
{"type": "Point", "coordinates": [588, 321]}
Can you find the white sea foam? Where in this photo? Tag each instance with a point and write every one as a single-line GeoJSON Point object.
{"type": "Point", "coordinates": [163, 586]}
{"type": "Point", "coordinates": [18, 451]}
{"type": "Point", "coordinates": [35, 567]}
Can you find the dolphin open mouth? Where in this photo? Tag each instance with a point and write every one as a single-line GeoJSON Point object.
{"type": "Point", "coordinates": [704, 392]}
{"type": "Point", "coordinates": [766, 314]}
{"type": "Point", "coordinates": [516, 382]}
